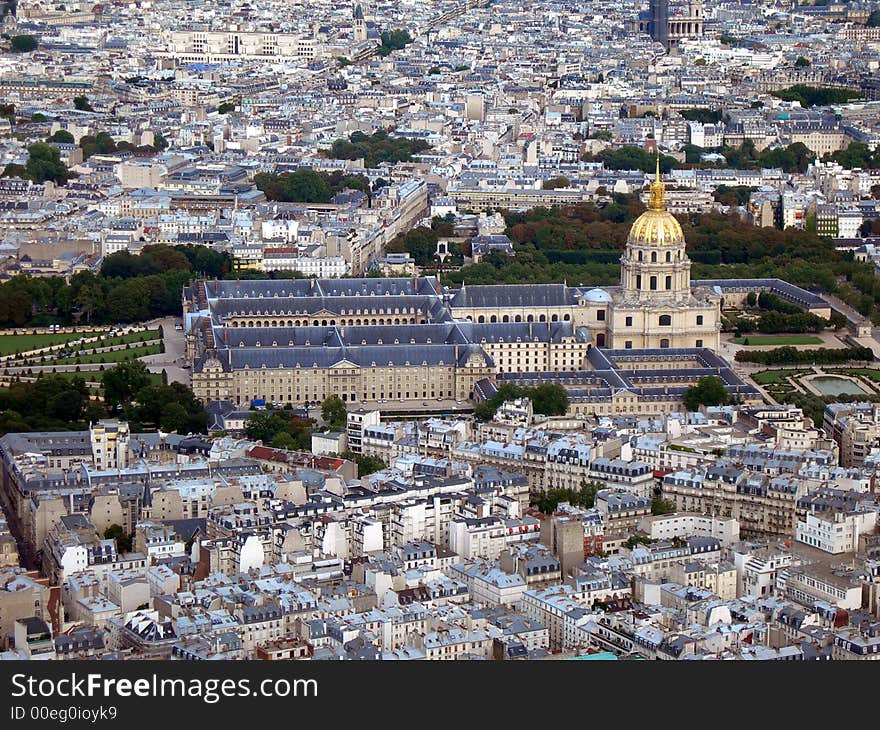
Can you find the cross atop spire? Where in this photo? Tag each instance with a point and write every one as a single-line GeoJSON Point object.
{"type": "Point", "coordinates": [657, 199]}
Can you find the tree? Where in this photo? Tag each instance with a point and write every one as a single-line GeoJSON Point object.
{"type": "Point", "coordinates": [44, 164]}
{"type": "Point", "coordinates": [809, 96]}
{"type": "Point", "coordinates": [660, 506]}
{"type": "Point", "coordinates": [376, 148]}
{"type": "Point", "coordinates": [226, 107]}
{"type": "Point", "coordinates": [394, 40]}
{"type": "Point", "coordinates": [873, 20]}
{"type": "Point", "coordinates": [283, 440]}
{"type": "Point", "coordinates": [302, 186]}
{"type": "Point", "coordinates": [704, 116]}
{"type": "Point", "coordinates": [709, 391]}
{"type": "Point", "coordinates": [123, 381]}
{"type": "Point", "coordinates": [123, 540]}
{"type": "Point", "coordinates": [62, 136]}
{"type": "Point", "coordinates": [82, 104]}
{"type": "Point", "coordinates": [334, 413]}
{"type": "Point", "coordinates": [159, 141]}
{"type": "Point", "coordinates": [366, 464]}
{"type": "Point", "coordinates": [174, 418]}
{"type": "Point", "coordinates": [551, 399]}
{"type": "Point", "coordinates": [23, 43]}
{"type": "Point", "coordinates": [802, 62]}
{"type": "Point", "coordinates": [556, 182]}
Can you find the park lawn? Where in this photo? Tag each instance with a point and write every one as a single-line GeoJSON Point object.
{"type": "Point", "coordinates": [130, 338]}
{"type": "Point", "coordinates": [10, 344]}
{"type": "Point", "coordinates": [769, 377]}
{"type": "Point", "coordinates": [108, 357]}
{"type": "Point", "coordinates": [768, 340]}
{"type": "Point", "coordinates": [864, 372]}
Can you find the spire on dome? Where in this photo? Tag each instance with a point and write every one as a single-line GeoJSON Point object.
{"type": "Point", "coordinates": [657, 198]}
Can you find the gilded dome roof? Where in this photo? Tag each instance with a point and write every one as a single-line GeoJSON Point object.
{"type": "Point", "coordinates": [656, 226]}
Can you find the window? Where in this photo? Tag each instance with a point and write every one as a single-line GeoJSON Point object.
{"type": "Point", "coordinates": [665, 320]}
{"type": "Point", "coordinates": [669, 282]}
{"type": "Point", "coordinates": [629, 321]}
{"type": "Point", "coordinates": [600, 315]}
{"type": "Point", "coordinates": [699, 319]}
{"type": "Point", "coordinates": [653, 257]}
{"type": "Point", "coordinates": [628, 345]}
{"type": "Point", "coordinates": [664, 343]}
{"type": "Point", "coordinates": [699, 343]}
{"type": "Point", "coordinates": [653, 283]}
{"type": "Point", "coordinates": [639, 281]}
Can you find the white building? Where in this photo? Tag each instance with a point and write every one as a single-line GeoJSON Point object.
{"type": "Point", "coordinates": [691, 524]}
{"type": "Point", "coordinates": [836, 532]}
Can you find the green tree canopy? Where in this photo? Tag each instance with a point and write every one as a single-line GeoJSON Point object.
{"type": "Point", "coordinates": [44, 164]}
{"type": "Point", "coordinates": [709, 391]}
{"type": "Point", "coordinates": [394, 40]}
{"type": "Point", "coordinates": [809, 96]}
{"type": "Point", "coordinates": [82, 104]}
{"type": "Point", "coordinates": [123, 539]}
{"type": "Point", "coordinates": [334, 413]}
{"type": "Point", "coordinates": [62, 136]}
{"type": "Point", "coordinates": [23, 43]}
{"type": "Point", "coordinates": [376, 148]}
{"type": "Point", "coordinates": [122, 381]}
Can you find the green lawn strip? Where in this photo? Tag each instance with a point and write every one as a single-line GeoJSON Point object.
{"type": "Point", "coordinates": [865, 372]}
{"type": "Point", "coordinates": [107, 357]}
{"type": "Point", "coordinates": [768, 377]}
{"type": "Point", "coordinates": [767, 340]}
{"type": "Point", "coordinates": [10, 344]}
{"type": "Point", "coordinates": [131, 337]}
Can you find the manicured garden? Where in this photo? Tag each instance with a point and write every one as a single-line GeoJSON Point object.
{"type": "Point", "coordinates": [771, 340]}
{"type": "Point", "coordinates": [10, 344]}
{"type": "Point", "coordinates": [771, 377]}
{"type": "Point", "coordinates": [112, 356]}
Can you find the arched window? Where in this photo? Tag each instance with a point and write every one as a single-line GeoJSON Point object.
{"type": "Point", "coordinates": [653, 257]}
{"type": "Point", "coordinates": [669, 282]}
{"type": "Point", "coordinates": [653, 283]}
{"type": "Point", "coordinates": [664, 343]}
{"type": "Point", "coordinates": [665, 320]}
{"type": "Point", "coordinates": [669, 255]}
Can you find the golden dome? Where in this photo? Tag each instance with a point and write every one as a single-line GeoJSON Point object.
{"type": "Point", "coordinates": [656, 226]}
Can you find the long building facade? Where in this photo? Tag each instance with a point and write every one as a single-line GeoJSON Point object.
{"type": "Point", "coordinates": [410, 339]}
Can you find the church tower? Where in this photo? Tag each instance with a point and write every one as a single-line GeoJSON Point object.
{"type": "Point", "coordinates": [654, 266]}
{"type": "Point", "coordinates": [360, 25]}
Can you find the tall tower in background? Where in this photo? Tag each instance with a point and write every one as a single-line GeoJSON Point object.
{"type": "Point", "coordinates": [659, 28]}
{"type": "Point", "coordinates": [669, 28]}
{"type": "Point", "coordinates": [360, 25]}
